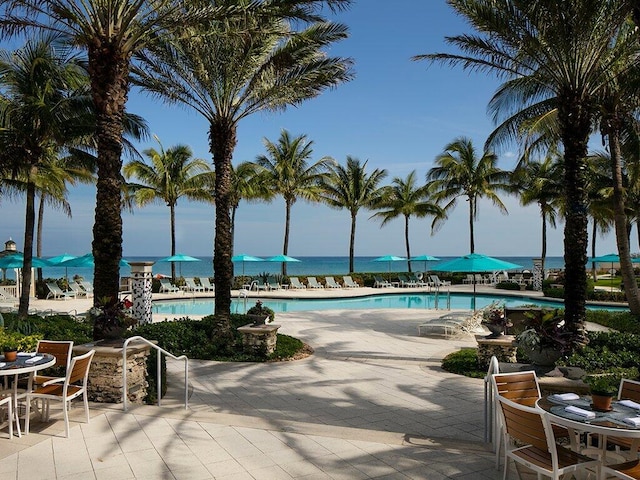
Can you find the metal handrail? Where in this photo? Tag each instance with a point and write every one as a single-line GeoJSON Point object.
{"type": "Point", "coordinates": [159, 379]}
{"type": "Point", "coordinates": [490, 428]}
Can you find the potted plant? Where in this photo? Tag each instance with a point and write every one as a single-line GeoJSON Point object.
{"type": "Point", "coordinates": [603, 387]}
{"type": "Point", "coordinates": [495, 319]}
{"type": "Point", "coordinates": [10, 351]}
{"type": "Point", "coordinates": [111, 319]}
{"type": "Point", "coordinates": [260, 314]}
{"type": "Point", "coordinates": [545, 338]}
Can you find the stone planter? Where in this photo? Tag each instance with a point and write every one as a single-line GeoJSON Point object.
{"type": "Point", "coordinates": [259, 338]}
{"type": "Point", "coordinates": [495, 329]}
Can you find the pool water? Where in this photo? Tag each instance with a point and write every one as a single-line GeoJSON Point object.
{"type": "Point", "coordinates": [427, 301]}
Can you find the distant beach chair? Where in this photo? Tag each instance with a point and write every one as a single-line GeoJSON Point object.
{"type": "Point", "coordinates": [380, 282]}
{"type": "Point", "coordinates": [296, 283]}
{"type": "Point", "coordinates": [77, 289]}
{"type": "Point", "coordinates": [190, 285]}
{"type": "Point", "coordinates": [330, 282]}
{"type": "Point", "coordinates": [439, 283]}
{"type": "Point", "coordinates": [88, 287]}
{"type": "Point", "coordinates": [418, 282]}
{"type": "Point", "coordinates": [273, 284]}
{"type": "Point", "coordinates": [258, 284]}
{"type": "Point", "coordinates": [469, 280]}
{"type": "Point", "coordinates": [348, 282]}
{"type": "Point", "coordinates": [207, 285]}
{"type": "Point", "coordinates": [405, 281]}
{"type": "Point", "coordinates": [167, 286]}
{"type": "Point", "coordinates": [56, 292]}
{"type": "Point", "coordinates": [313, 282]}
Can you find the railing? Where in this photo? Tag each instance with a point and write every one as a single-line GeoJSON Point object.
{"type": "Point", "coordinates": [490, 429]}
{"type": "Point", "coordinates": [159, 372]}
{"type": "Point", "coordinates": [10, 291]}
{"type": "Point", "coordinates": [436, 298]}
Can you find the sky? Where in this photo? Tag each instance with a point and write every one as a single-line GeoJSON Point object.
{"type": "Point", "coordinates": [396, 113]}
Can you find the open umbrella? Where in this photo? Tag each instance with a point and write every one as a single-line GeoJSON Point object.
{"type": "Point", "coordinates": [179, 257]}
{"type": "Point", "coordinates": [282, 259]}
{"type": "Point", "coordinates": [16, 260]}
{"type": "Point", "coordinates": [245, 258]}
{"type": "Point", "coordinates": [389, 259]}
{"type": "Point", "coordinates": [57, 260]}
{"type": "Point", "coordinates": [475, 263]}
{"type": "Point", "coordinates": [425, 259]}
{"type": "Point", "coordinates": [610, 258]}
{"type": "Point", "coordinates": [86, 261]}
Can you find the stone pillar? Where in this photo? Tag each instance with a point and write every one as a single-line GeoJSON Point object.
{"type": "Point", "coordinates": [141, 275]}
{"type": "Point", "coordinates": [503, 348]}
{"type": "Point", "coordinates": [258, 337]}
{"type": "Point", "coordinates": [105, 374]}
{"type": "Point", "coordinates": [538, 274]}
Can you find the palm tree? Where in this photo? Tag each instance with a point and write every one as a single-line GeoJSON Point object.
{"type": "Point", "coordinates": [226, 76]}
{"type": "Point", "coordinates": [170, 175]}
{"type": "Point", "coordinates": [42, 99]}
{"type": "Point", "coordinates": [286, 168]}
{"type": "Point", "coordinates": [560, 51]}
{"type": "Point", "coordinates": [405, 198]}
{"type": "Point", "coordinates": [540, 183]}
{"type": "Point", "coordinates": [460, 173]}
{"type": "Point", "coordinates": [350, 187]}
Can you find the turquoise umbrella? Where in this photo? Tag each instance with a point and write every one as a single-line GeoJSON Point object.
{"type": "Point", "coordinates": [16, 260]}
{"type": "Point", "coordinates": [179, 257]}
{"type": "Point", "coordinates": [282, 259]}
{"type": "Point", "coordinates": [86, 261]}
{"type": "Point", "coordinates": [245, 258]}
{"type": "Point", "coordinates": [425, 259]}
{"type": "Point", "coordinates": [475, 263]}
{"type": "Point", "coordinates": [389, 259]}
{"type": "Point", "coordinates": [56, 261]}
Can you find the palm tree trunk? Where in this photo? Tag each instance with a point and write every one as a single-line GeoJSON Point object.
{"type": "Point", "coordinates": [620, 222]}
{"type": "Point", "coordinates": [352, 243]}
{"type": "Point", "coordinates": [39, 237]}
{"type": "Point", "coordinates": [594, 233]}
{"type": "Point", "coordinates": [172, 214]}
{"type": "Point", "coordinates": [234, 209]}
{"type": "Point", "coordinates": [406, 241]}
{"type": "Point", "coordinates": [109, 73]}
{"type": "Point", "coordinates": [575, 128]}
{"type": "Point", "coordinates": [29, 226]}
{"type": "Point", "coordinates": [287, 225]}
{"type": "Point", "coordinates": [222, 141]}
{"type": "Point", "coordinates": [472, 214]}
{"type": "Point", "coordinates": [543, 254]}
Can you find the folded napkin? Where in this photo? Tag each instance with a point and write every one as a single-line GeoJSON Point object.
{"type": "Point", "coordinates": [565, 396]}
{"type": "Point", "coordinates": [635, 421]}
{"type": "Point", "coordinates": [2, 364]}
{"type": "Point", "coordinates": [580, 411]}
{"type": "Point", "coordinates": [26, 354]}
{"type": "Point", "coordinates": [34, 359]}
{"type": "Point", "coordinates": [630, 404]}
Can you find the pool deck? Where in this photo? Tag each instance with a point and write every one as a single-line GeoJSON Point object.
{"type": "Point", "coordinates": [371, 402]}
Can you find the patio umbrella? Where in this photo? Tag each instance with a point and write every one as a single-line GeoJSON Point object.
{"type": "Point", "coordinates": [282, 259]}
{"type": "Point", "coordinates": [475, 263]}
{"type": "Point", "coordinates": [611, 258]}
{"type": "Point", "coordinates": [245, 258]}
{"type": "Point", "coordinates": [86, 261]}
{"type": "Point", "coordinates": [179, 257]}
{"type": "Point", "coordinates": [389, 259]}
{"type": "Point", "coordinates": [57, 260]}
{"type": "Point", "coordinates": [425, 259]}
{"type": "Point", "coordinates": [16, 260]}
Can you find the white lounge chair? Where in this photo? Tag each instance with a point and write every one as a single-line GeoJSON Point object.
{"type": "Point", "coordinates": [56, 292]}
{"type": "Point", "coordinates": [207, 285]}
{"type": "Point", "coordinates": [439, 283]}
{"type": "Point", "coordinates": [348, 282]}
{"type": "Point", "coordinates": [167, 286]}
{"type": "Point", "coordinates": [330, 282]}
{"type": "Point", "coordinates": [381, 282]}
{"type": "Point", "coordinates": [77, 289]}
{"type": "Point", "coordinates": [296, 283]}
{"type": "Point", "coordinates": [273, 284]}
{"type": "Point", "coordinates": [190, 285]}
{"type": "Point", "coordinates": [88, 287]}
{"type": "Point", "coordinates": [313, 282]}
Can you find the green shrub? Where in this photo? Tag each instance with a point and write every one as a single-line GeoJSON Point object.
{"type": "Point", "coordinates": [463, 362]}
{"type": "Point", "coordinates": [508, 286]}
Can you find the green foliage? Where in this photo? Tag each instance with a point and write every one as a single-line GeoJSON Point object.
{"type": "Point", "coordinates": [260, 309]}
{"type": "Point", "coordinates": [286, 347]}
{"type": "Point", "coordinates": [608, 383]}
{"type": "Point", "coordinates": [607, 350]}
{"type": "Point", "coordinates": [463, 362]}
{"type": "Point", "coordinates": [17, 341]}
{"type": "Point", "coordinates": [621, 321]}
{"type": "Point", "coordinates": [508, 286]}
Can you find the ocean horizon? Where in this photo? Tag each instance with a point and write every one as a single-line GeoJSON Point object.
{"type": "Point", "coordinates": [307, 266]}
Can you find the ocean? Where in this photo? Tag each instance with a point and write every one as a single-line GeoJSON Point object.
{"type": "Point", "coordinates": [318, 266]}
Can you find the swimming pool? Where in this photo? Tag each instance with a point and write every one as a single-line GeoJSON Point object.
{"type": "Point", "coordinates": [414, 301]}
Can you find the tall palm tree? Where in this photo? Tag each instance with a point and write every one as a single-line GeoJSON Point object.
{"type": "Point", "coordinates": [460, 173]}
{"type": "Point", "coordinates": [540, 183]}
{"type": "Point", "coordinates": [42, 96]}
{"type": "Point", "coordinates": [560, 51]}
{"type": "Point", "coordinates": [169, 175]}
{"type": "Point", "coordinates": [286, 168]}
{"type": "Point", "coordinates": [226, 77]}
{"type": "Point", "coordinates": [351, 187]}
{"type": "Point", "coordinates": [405, 198]}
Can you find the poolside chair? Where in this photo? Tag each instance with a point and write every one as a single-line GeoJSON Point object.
{"type": "Point", "coordinates": [273, 284]}
{"type": "Point", "coordinates": [629, 390]}
{"type": "Point", "coordinates": [77, 289]}
{"type": "Point", "coordinates": [294, 282]}
{"type": "Point", "coordinates": [348, 282]}
{"type": "Point", "coordinates": [529, 440]}
{"type": "Point", "coordinates": [313, 282]}
{"type": "Point", "coordinates": [439, 283]}
{"type": "Point", "coordinates": [380, 282]}
{"type": "Point", "coordinates": [7, 403]}
{"type": "Point", "coordinates": [418, 282]}
{"type": "Point", "coordinates": [56, 292]}
{"type": "Point", "coordinates": [88, 287]}
{"type": "Point", "coordinates": [627, 471]}
{"type": "Point", "coordinates": [405, 281]}
{"type": "Point", "coordinates": [167, 286]}
{"type": "Point", "coordinates": [330, 282]}
{"type": "Point", "coordinates": [258, 284]}
{"type": "Point", "coordinates": [190, 285]}
{"type": "Point", "coordinates": [207, 285]}
{"type": "Point", "coordinates": [469, 280]}
{"type": "Point", "coordinates": [78, 372]}
{"type": "Point", "coordinates": [62, 351]}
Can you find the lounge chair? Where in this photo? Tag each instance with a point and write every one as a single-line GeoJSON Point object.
{"type": "Point", "coordinates": [313, 282]}
{"type": "Point", "coordinates": [56, 292]}
{"type": "Point", "coordinates": [469, 280]}
{"type": "Point", "coordinates": [294, 282]}
{"type": "Point", "coordinates": [348, 282]}
{"type": "Point", "coordinates": [273, 284]}
{"type": "Point", "coordinates": [418, 282]}
{"type": "Point", "coordinates": [190, 285]}
{"type": "Point", "coordinates": [380, 282]}
{"type": "Point", "coordinates": [405, 281]}
{"type": "Point", "coordinates": [88, 287]}
{"type": "Point", "coordinates": [258, 284]}
{"type": "Point", "coordinates": [167, 286]}
{"type": "Point", "coordinates": [207, 285]}
{"type": "Point", "coordinates": [439, 283]}
{"type": "Point", "coordinates": [330, 282]}
{"type": "Point", "coordinates": [77, 289]}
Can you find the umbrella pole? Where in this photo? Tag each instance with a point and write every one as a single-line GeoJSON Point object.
{"type": "Point", "coordinates": [474, 295]}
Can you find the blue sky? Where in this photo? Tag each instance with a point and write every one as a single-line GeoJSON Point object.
{"type": "Point", "coordinates": [396, 113]}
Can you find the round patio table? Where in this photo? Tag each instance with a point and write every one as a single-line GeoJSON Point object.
{"type": "Point", "coordinates": [25, 363]}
